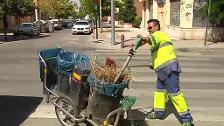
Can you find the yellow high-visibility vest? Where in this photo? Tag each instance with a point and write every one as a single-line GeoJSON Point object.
{"type": "Point", "coordinates": [162, 50]}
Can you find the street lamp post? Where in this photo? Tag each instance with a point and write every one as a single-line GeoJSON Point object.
{"type": "Point", "coordinates": [96, 9]}
{"type": "Point", "coordinates": [112, 23]}
{"type": "Point", "coordinates": [36, 13]}
{"type": "Point", "coordinates": [101, 30]}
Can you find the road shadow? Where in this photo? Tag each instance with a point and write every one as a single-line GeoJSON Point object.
{"type": "Point", "coordinates": [12, 38]}
{"type": "Point", "coordinates": [15, 109]}
{"type": "Point", "coordinates": [136, 117]}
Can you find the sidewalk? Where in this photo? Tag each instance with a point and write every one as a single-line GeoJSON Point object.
{"type": "Point", "coordinates": [130, 34]}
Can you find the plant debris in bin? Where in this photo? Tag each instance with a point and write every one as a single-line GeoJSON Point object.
{"type": "Point", "coordinates": [108, 71]}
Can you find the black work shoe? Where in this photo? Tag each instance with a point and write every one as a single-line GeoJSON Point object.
{"type": "Point", "coordinates": [152, 115]}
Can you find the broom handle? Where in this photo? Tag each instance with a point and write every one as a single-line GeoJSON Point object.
{"type": "Point", "coordinates": [122, 69]}
{"type": "Point", "coordinates": [138, 43]}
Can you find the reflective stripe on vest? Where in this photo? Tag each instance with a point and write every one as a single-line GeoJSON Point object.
{"type": "Point", "coordinates": [162, 54]}
{"type": "Point", "coordinates": [160, 46]}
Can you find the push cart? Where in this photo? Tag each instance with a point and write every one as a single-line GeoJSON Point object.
{"type": "Point", "coordinates": [69, 85]}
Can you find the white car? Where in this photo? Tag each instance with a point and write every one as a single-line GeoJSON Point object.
{"type": "Point", "coordinates": [81, 26]}
{"type": "Point", "coordinates": [57, 24]}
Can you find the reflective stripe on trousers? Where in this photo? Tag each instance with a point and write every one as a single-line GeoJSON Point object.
{"type": "Point", "coordinates": [160, 100]}
{"type": "Point", "coordinates": [179, 102]}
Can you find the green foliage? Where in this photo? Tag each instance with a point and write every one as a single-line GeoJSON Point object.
{"type": "Point", "coordinates": [137, 22]}
{"type": "Point", "coordinates": [81, 14]}
{"type": "Point", "coordinates": [88, 8]}
{"type": "Point", "coordinates": [17, 7]}
{"type": "Point", "coordinates": [1, 14]}
{"type": "Point", "coordinates": [106, 7]}
{"type": "Point", "coordinates": [216, 12]}
{"type": "Point", "coordinates": [127, 11]}
{"type": "Point", "coordinates": [58, 8]}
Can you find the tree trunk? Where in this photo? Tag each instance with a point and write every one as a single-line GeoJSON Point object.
{"type": "Point", "coordinates": [5, 26]}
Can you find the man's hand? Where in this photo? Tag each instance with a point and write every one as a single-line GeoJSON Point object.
{"type": "Point", "coordinates": [131, 52]}
{"type": "Point", "coordinates": [139, 36]}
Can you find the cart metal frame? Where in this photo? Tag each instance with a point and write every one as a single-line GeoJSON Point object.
{"type": "Point", "coordinates": [52, 97]}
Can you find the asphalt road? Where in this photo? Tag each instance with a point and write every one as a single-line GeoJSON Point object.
{"type": "Point", "coordinates": [22, 101]}
{"type": "Point", "coordinates": [20, 86]}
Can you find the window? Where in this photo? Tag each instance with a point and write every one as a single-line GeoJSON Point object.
{"type": "Point", "coordinates": [175, 12]}
{"type": "Point", "coordinates": [198, 21]}
{"type": "Point", "coordinates": [160, 1]}
{"type": "Point", "coordinates": [26, 25]}
{"type": "Point", "coordinates": [82, 23]}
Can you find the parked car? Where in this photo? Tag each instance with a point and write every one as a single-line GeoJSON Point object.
{"type": "Point", "coordinates": [81, 26]}
{"type": "Point", "coordinates": [67, 23]}
{"type": "Point", "coordinates": [91, 23]}
{"type": "Point", "coordinates": [57, 24]}
{"type": "Point", "coordinates": [29, 29]}
{"type": "Point", "coordinates": [42, 25]}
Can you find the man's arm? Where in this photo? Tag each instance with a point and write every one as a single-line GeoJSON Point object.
{"type": "Point", "coordinates": [146, 39]}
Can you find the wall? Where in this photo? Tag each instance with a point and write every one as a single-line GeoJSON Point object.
{"type": "Point", "coordinates": [167, 13]}
{"type": "Point", "coordinates": [147, 13]}
{"type": "Point", "coordinates": [186, 29]}
{"type": "Point", "coordinates": [215, 34]}
{"type": "Point", "coordinates": [185, 33]}
{"type": "Point", "coordinates": [27, 19]}
{"type": "Point", "coordinates": [138, 7]}
{"type": "Point", "coordinates": [11, 21]}
{"type": "Point", "coordinates": [143, 23]}
{"type": "Point", "coordinates": [161, 15]}
{"type": "Point", "coordinates": [154, 6]}
{"type": "Point", "coordinates": [186, 13]}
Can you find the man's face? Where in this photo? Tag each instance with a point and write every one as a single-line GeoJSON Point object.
{"type": "Point", "coordinates": [151, 27]}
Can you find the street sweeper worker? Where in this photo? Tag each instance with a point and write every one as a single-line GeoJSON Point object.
{"type": "Point", "coordinates": [165, 63]}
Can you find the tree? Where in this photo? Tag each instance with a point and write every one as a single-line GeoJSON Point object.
{"type": "Point", "coordinates": [106, 8]}
{"type": "Point", "coordinates": [127, 11]}
{"type": "Point", "coordinates": [15, 8]}
{"type": "Point", "coordinates": [58, 8]}
{"type": "Point", "coordinates": [216, 12]}
{"type": "Point", "coordinates": [88, 7]}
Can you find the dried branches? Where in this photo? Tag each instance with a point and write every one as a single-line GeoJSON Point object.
{"type": "Point", "coordinates": [108, 71]}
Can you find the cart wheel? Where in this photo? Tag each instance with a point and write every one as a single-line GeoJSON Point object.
{"type": "Point", "coordinates": [47, 97]}
{"type": "Point", "coordinates": [66, 103]}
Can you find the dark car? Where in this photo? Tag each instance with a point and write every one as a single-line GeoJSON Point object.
{"type": "Point", "coordinates": [28, 29]}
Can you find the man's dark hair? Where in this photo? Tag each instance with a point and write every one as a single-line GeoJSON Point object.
{"type": "Point", "coordinates": [155, 21]}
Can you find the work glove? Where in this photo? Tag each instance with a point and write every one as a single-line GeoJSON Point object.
{"type": "Point", "coordinates": [131, 52]}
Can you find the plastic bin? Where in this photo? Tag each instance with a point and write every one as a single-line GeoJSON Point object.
{"type": "Point", "coordinates": [104, 98]}
{"type": "Point", "coordinates": [69, 63]}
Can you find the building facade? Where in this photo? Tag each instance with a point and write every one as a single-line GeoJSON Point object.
{"type": "Point", "coordinates": [138, 7]}
{"type": "Point", "coordinates": [180, 18]}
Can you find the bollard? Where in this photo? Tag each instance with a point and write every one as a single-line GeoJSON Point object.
{"type": "Point", "coordinates": [122, 41]}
